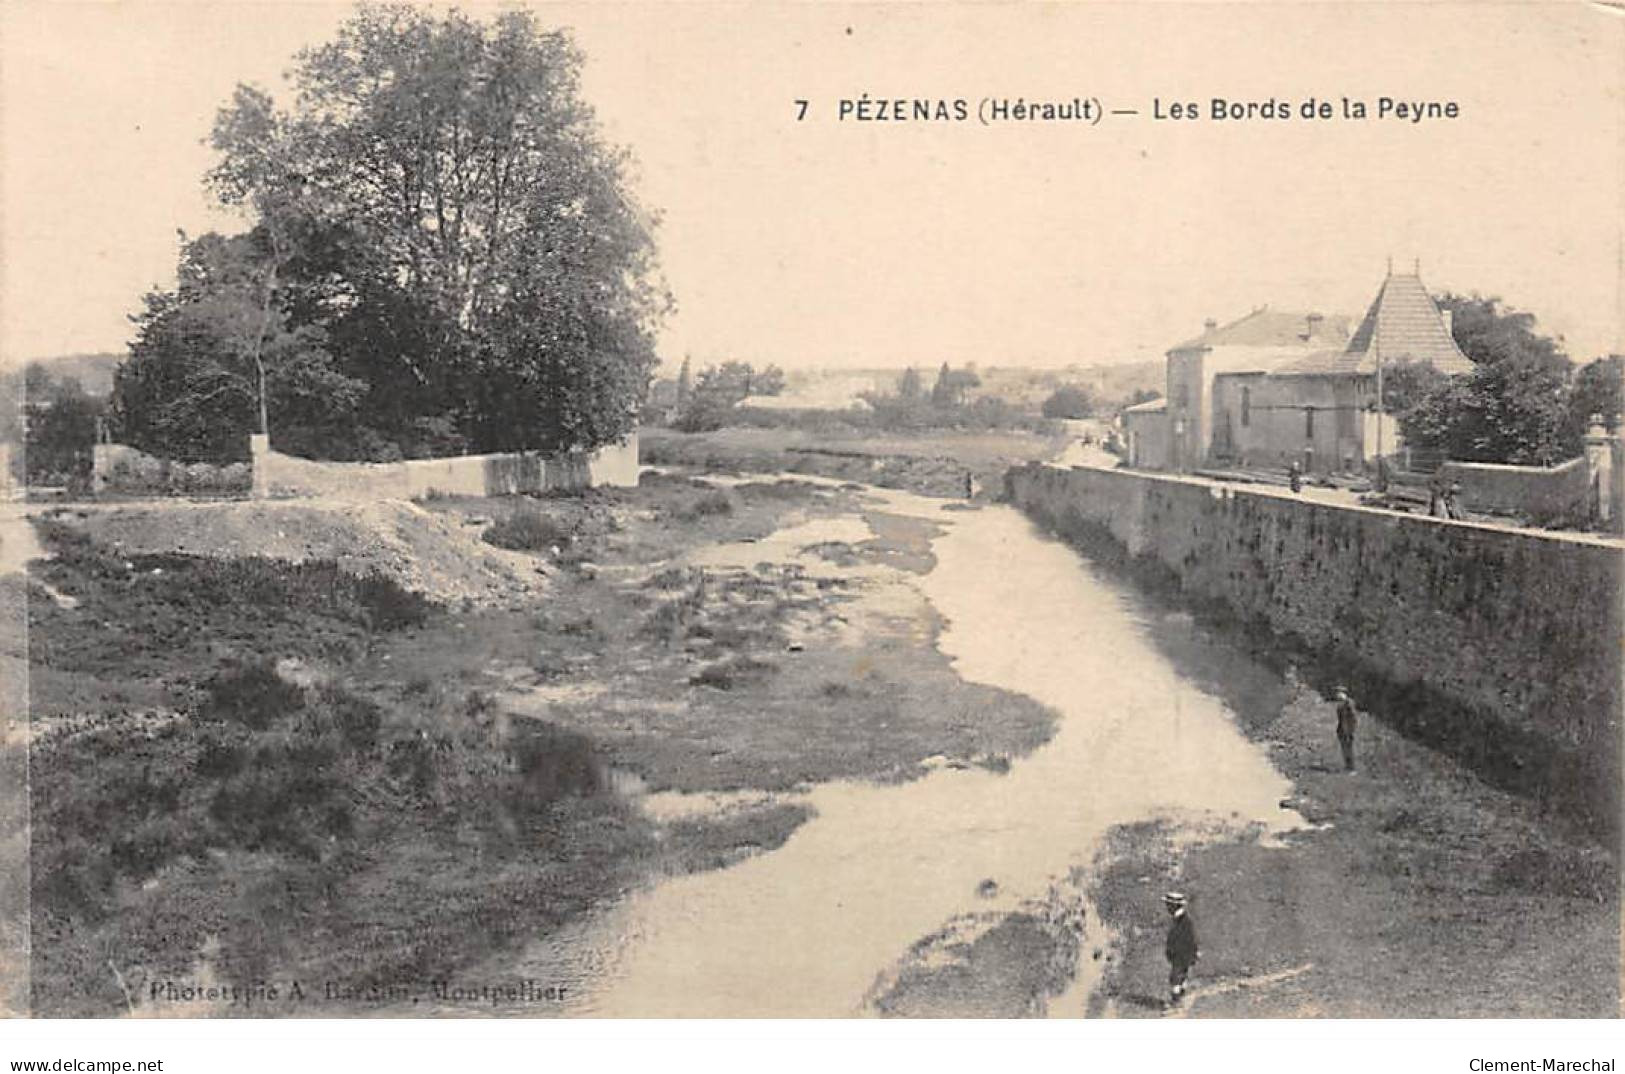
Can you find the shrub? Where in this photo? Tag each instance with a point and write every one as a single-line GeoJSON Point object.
{"type": "Point", "coordinates": [669, 578]}
{"type": "Point", "coordinates": [708, 504]}
{"type": "Point", "coordinates": [526, 530]}
{"type": "Point", "coordinates": [1069, 401]}
{"type": "Point", "coordinates": [552, 763]}
{"type": "Point", "coordinates": [356, 719]}
{"type": "Point", "coordinates": [252, 695]}
{"type": "Point", "coordinates": [732, 673]}
{"type": "Point", "coordinates": [388, 605]}
{"type": "Point", "coordinates": [289, 800]}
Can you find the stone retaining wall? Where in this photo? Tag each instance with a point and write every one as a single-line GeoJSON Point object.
{"type": "Point", "coordinates": [1501, 646]}
{"type": "Point", "coordinates": [276, 474]}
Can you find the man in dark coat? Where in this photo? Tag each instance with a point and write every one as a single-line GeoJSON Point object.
{"type": "Point", "coordinates": [1347, 718]}
{"type": "Point", "coordinates": [1181, 947]}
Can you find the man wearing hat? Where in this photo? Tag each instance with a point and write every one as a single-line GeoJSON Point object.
{"type": "Point", "coordinates": [1346, 719]}
{"type": "Point", "coordinates": [1181, 947]}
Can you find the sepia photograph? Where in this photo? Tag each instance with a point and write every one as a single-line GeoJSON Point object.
{"type": "Point", "coordinates": [812, 511]}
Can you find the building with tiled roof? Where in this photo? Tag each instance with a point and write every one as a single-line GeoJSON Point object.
{"type": "Point", "coordinates": [1273, 388]}
{"type": "Point", "coordinates": [1404, 324]}
{"type": "Point", "coordinates": [1320, 411]}
{"type": "Point", "coordinates": [1145, 428]}
{"type": "Point", "coordinates": [1260, 342]}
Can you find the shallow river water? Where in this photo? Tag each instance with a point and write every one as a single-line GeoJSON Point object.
{"type": "Point", "coordinates": [807, 929]}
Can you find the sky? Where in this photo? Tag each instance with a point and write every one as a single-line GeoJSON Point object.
{"type": "Point", "coordinates": [827, 242]}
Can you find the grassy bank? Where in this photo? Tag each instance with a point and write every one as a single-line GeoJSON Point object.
{"type": "Point", "coordinates": [249, 771]}
{"type": "Point", "coordinates": [1422, 892]}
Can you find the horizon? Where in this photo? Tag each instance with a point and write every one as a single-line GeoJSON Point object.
{"type": "Point", "coordinates": [829, 245]}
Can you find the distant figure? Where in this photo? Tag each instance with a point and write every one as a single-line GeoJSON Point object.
{"type": "Point", "coordinates": [1435, 498]}
{"type": "Point", "coordinates": [970, 485]}
{"type": "Point", "coordinates": [1347, 718]}
{"type": "Point", "coordinates": [1181, 947]}
{"type": "Point", "coordinates": [1294, 476]}
{"type": "Point", "coordinates": [1452, 500]}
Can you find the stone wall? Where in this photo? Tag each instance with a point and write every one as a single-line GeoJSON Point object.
{"type": "Point", "coordinates": [1539, 494]}
{"type": "Point", "coordinates": [1499, 646]}
{"type": "Point", "coordinates": [276, 474]}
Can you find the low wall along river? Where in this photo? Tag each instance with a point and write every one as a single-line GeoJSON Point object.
{"type": "Point", "coordinates": [1498, 646]}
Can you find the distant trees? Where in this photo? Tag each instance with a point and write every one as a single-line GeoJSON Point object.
{"type": "Point", "coordinates": [1069, 401]}
{"type": "Point", "coordinates": [769, 381]}
{"type": "Point", "coordinates": [910, 389]}
{"type": "Point", "coordinates": [441, 243]}
{"type": "Point", "coordinates": [685, 384]}
{"type": "Point", "coordinates": [946, 405]}
{"type": "Point", "coordinates": [59, 422]}
{"type": "Point", "coordinates": [718, 389]}
{"type": "Point", "coordinates": [952, 385]}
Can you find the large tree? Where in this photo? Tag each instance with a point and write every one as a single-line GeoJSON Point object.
{"type": "Point", "coordinates": [437, 200]}
{"type": "Point", "coordinates": [213, 357]}
{"type": "Point", "coordinates": [1597, 392]}
{"type": "Point", "coordinates": [1514, 407]}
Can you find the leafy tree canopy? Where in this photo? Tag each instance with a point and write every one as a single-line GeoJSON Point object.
{"type": "Point", "coordinates": [1069, 401]}
{"type": "Point", "coordinates": [190, 389]}
{"type": "Point", "coordinates": [1514, 407]}
{"type": "Point", "coordinates": [1597, 391]}
{"type": "Point", "coordinates": [1489, 332]}
{"type": "Point", "coordinates": [952, 385]}
{"type": "Point", "coordinates": [438, 204]}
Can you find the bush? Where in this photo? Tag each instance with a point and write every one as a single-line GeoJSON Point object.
{"type": "Point", "coordinates": [1069, 401]}
{"type": "Point", "coordinates": [552, 763]}
{"type": "Point", "coordinates": [709, 504]}
{"type": "Point", "coordinates": [387, 604]}
{"type": "Point", "coordinates": [251, 695]}
{"type": "Point", "coordinates": [291, 799]}
{"type": "Point", "coordinates": [732, 673]}
{"type": "Point", "coordinates": [355, 719]}
{"type": "Point", "coordinates": [526, 530]}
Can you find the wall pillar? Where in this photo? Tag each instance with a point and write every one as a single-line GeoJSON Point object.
{"type": "Point", "coordinates": [1600, 451]}
{"type": "Point", "coordinates": [259, 451]}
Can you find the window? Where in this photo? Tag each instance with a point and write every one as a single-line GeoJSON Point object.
{"type": "Point", "coordinates": [1246, 407]}
{"type": "Point", "coordinates": [1182, 397]}
{"type": "Point", "coordinates": [1309, 423]}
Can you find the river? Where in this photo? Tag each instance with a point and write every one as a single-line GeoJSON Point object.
{"type": "Point", "coordinates": [808, 929]}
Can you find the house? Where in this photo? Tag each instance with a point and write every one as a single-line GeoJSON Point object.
{"type": "Point", "coordinates": [1320, 410]}
{"type": "Point", "coordinates": [1257, 344]}
{"type": "Point", "coordinates": [1145, 430]}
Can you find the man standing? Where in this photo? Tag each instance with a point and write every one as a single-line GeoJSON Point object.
{"type": "Point", "coordinates": [1347, 717]}
{"type": "Point", "coordinates": [1181, 947]}
{"type": "Point", "coordinates": [1294, 476]}
{"type": "Point", "coordinates": [1452, 501]}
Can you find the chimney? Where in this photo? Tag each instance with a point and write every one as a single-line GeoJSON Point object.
{"type": "Point", "coordinates": [1312, 325]}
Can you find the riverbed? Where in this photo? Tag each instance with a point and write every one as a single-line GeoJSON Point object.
{"type": "Point", "coordinates": [816, 927]}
